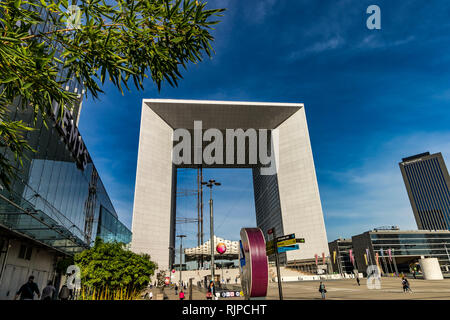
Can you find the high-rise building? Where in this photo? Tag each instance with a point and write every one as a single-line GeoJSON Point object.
{"type": "Point", "coordinates": [428, 184]}
{"type": "Point", "coordinates": [286, 198]}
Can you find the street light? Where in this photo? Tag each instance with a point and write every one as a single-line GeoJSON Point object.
{"type": "Point", "coordinates": [210, 185]}
{"type": "Point", "coordinates": [181, 236]}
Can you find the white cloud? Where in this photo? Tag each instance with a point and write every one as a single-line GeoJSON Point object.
{"type": "Point", "coordinates": [375, 41]}
{"type": "Point", "coordinates": [318, 47]}
{"type": "Point", "coordinates": [373, 193]}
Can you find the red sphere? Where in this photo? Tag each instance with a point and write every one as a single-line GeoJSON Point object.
{"type": "Point", "coordinates": [221, 248]}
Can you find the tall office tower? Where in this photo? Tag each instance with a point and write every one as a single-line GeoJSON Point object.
{"type": "Point", "coordinates": [428, 184]}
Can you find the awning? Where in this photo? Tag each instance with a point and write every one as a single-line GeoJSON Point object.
{"type": "Point", "coordinates": [19, 216]}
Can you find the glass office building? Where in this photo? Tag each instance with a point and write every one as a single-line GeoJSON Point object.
{"type": "Point", "coordinates": [396, 251]}
{"type": "Point", "coordinates": [57, 205]}
{"type": "Point", "coordinates": [428, 185]}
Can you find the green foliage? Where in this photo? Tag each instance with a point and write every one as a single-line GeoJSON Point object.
{"type": "Point", "coordinates": [116, 40]}
{"type": "Point", "coordinates": [11, 137]}
{"type": "Point", "coordinates": [62, 265]}
{"type": "Point", "coordinates": [110, 265]}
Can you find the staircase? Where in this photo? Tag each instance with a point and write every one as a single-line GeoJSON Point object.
{"type": "Point", "coordinates": [287, 274]}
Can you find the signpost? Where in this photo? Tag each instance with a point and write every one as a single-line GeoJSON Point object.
{"type": "Point", "coordinates": [288, 248]}
{"type": "Point", "coordinates": [280, 289]}
{"type": "Point", "coordinates": [279, 245]}
{"type": "Point", "coordinates": [286, 243]}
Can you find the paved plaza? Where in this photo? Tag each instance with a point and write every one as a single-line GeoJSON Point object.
{"type": "Point", "coordinates": [348, 289]}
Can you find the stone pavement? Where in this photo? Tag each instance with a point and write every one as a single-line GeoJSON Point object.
{"type": "Point", "coordinates": [196, 294]}
{"type": "Point", "coordinates": [346, 289]}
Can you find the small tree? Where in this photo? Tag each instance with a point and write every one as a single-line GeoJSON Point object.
{"type": "Point", "coordinates": [110, 265]}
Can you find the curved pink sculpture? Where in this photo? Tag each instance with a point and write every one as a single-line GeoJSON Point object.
{"type": "Point", "coordinates": [254, 263]}
{"type": "Point", "coordinates": [221, 248]}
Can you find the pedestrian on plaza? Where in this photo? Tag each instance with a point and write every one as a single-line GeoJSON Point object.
{"type": "Point", "coordinates": [408, 288]}
{"type": "Point", "coordinates": [181, 294]}
{"type": "Point", "coordinates": [414, 274]}
{"type": "Point", "coordinates": [212, 289]}
{"type": "Point", "coordinates": [405, 285]}
{"type": "Point", "coordinates": [48, 292]}
{"type": "Point", "coordinates": [150, 295]}
{"type": "Point", "coordinates": [322, 290]}
{"type": "Point", "coordinates": [26, 291]}
{"type": "Point", "coordinates": [64, 293]}
{"type": "Point", "coordinates": [357, 280]}
{"type": "Point", "coordinates": [176, 289]}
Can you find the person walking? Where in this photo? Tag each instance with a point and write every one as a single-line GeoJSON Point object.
{"type": "Point", "coordinates": [64, 293]}
{"type": "Point", "coordinates": [27, 290]}
{"type": "Point", "coordinates": [211, 291]}
{"type": "Point", "coordinates": [176, 289]}
{"type": "Point", "coordinates": [322, 290]}
{"type": "Point", "coordinates": [48, 291]}
{"type": "Point", "coordinates": [407, 287]}
{"type": "Point", "coordinates": [181, 294]}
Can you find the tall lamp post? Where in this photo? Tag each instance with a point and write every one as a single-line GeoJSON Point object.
{"type": "Point", "coordinates": [181, 236]}
{"type": "Point", "coordinates": [210, 185]}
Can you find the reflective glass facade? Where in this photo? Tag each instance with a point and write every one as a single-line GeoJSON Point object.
{"type": "Point", "coordinates": [58, 194]}
{"type": "Point", "coordinates": [398, 251]}
{"type": "Point", "coordinates": [267, 205]}
{"type": "Point", "coordinates": [110, 229]}
{"type": "Point", "coordinates": [434, 245]}
{"type": "Point", "coordinates": [51, 183]}
{"type": "Point", "coordinates": [428, 184]}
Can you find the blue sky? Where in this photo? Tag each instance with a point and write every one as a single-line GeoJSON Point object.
{"type": "Point", "coordinates": [371, 97]}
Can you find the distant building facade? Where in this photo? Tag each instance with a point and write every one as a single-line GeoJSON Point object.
{"type": "Point", "coordinates": [397, 251]}
{"type": "Point", "coordinates": [428, 185]}
{"type": "Point", "coordinates": [340, 250]}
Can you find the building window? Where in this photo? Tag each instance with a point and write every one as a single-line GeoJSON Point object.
{"type": "Point", "coordinates": [25, 252]}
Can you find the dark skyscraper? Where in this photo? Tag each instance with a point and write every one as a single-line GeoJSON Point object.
{"type": "Point", "coordinates": [428, 184]}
